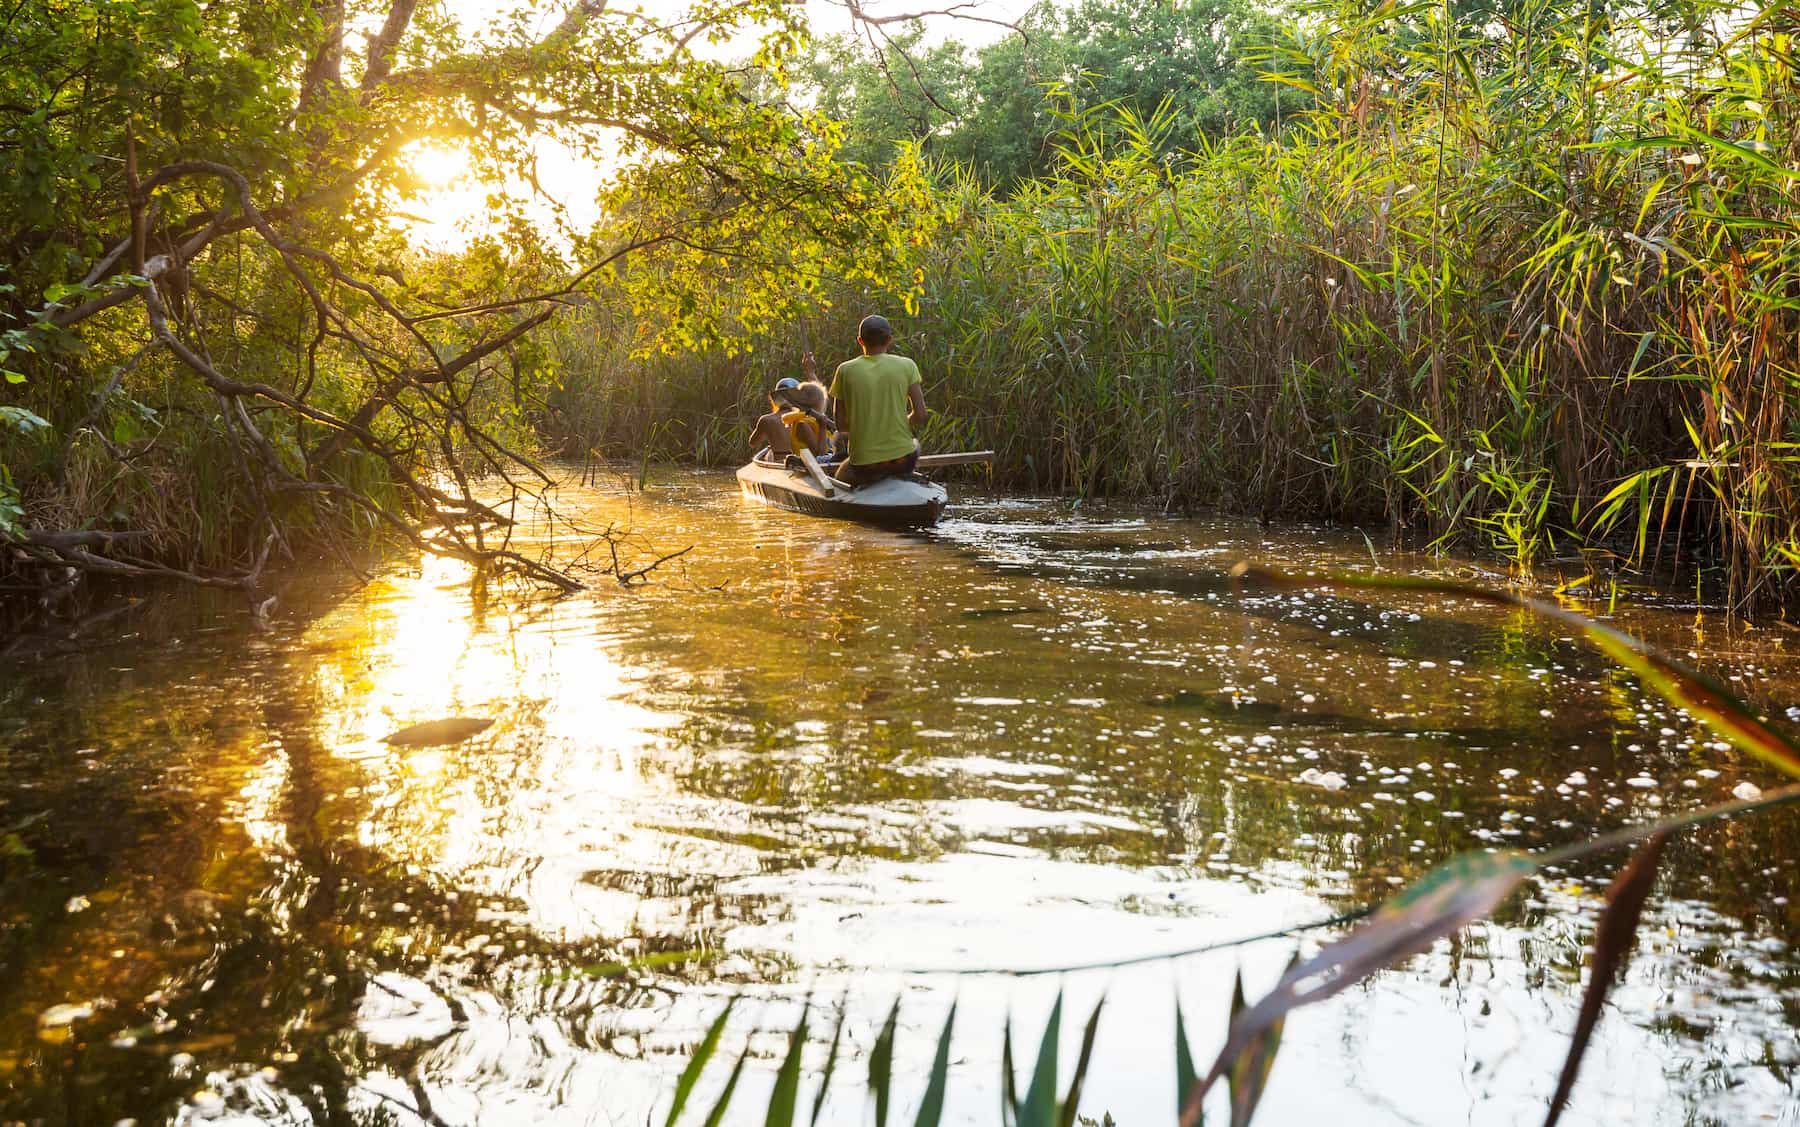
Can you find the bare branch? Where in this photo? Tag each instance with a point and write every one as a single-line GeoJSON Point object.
{"type": "Point", "coordinates": [963, 11]}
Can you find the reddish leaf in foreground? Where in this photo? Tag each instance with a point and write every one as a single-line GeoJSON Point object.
{"type": "Point", "coordinates": [1613, 939]}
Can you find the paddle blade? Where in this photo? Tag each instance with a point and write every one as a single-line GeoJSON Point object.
{"type": "Point", "coordinates": [1613, 939]}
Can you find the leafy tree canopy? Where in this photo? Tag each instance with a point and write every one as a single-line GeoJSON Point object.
{"type": "Point", "coordinates": [1000, 109]}
{"type": "Point", "coordinates": [202, 237]}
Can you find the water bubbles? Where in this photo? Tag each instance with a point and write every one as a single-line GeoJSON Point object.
{"type": "Point", "coordinates": [1642, 782]}
{"type": "Point", "coordinates": [1329, 780]}
{"type": "Point", "coordinates": [208, 1104]}
{"type": "Point", "coordinates": [1746, 791]}
{"type": "Point", "coordinates": [54, 1023]}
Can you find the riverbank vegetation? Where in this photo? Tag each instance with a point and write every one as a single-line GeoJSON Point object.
{"type": "Point", "coordinates": [221, 344]}
{"type": "Point", "coordinates": [1520, 277]}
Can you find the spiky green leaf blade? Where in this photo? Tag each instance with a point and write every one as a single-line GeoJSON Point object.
{"type": "Point", "coordinates": [1009, 1083]}
{"type": "Point", "coordinates": [1072, 1101]}
{"type": "Point", "coordinates": [1039, 1109]}
{"type": "Point", "coordinates": [785, 1098]}
{"type": "Point", "coordinates": [717, 1114]}
{"type": "Point", "coordinates": [1187, 1077]}
{"type": "Point", "coordinates": [690, 1075]}
{"type": "Point", "coordinates": [1248, 1075]}
{"type": "Point", "coordinates": [1452, 895]}
{"type": "Point", "coordinates": [837, 1035]}
{"type": "Point", "coordinates": [881, 1066]}
{"type": "Point", "coordinates": [1613, 940]}
{"type": "Point", "coordinates": [932, 1108]}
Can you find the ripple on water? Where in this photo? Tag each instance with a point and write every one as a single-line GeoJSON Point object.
{"type": "Point", "coordinates": [818, 756]}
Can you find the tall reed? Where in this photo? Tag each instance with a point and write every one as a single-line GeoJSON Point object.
{"type": "Point", "coordinates": [1528, 283]}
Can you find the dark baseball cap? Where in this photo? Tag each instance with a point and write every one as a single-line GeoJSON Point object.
{"type": "Point", "coordinates": [875, 327]}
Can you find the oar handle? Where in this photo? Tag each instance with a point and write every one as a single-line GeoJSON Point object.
{"type": "Point", "coordinates": [962, 458]}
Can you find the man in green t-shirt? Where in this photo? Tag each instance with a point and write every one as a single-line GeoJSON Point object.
{"type": "Point", "coordinates": [877, 399]}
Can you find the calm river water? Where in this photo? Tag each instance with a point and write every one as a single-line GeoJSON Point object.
{"type": "Point", "coordinates": [832, 760]}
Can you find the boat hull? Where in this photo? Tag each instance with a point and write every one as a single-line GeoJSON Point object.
{"type": "Point", "coordinates": [889, 503]}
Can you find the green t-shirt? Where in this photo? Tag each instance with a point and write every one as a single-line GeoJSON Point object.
{"type": "Point", "coordinates": [872, 393]}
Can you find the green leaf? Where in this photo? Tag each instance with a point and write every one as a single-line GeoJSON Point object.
{"type": "Point", "coordinates": [1072, 1102]}
{"type": "Point", "coordinates": [1249, 1072]}
{"type": "Point", "coordinates": [932, 1108]}
{"type": "Point", "coordinates": [786, 1095]}
{"type": "Point", "coordinates": [717, 1114]}
{"type": "Point", "coordinates": [1009, 1081]}
{"type": "Point", "coordinates": [881, 1066]}
{"type": "Point", "coordinates": [1187, 1078]}
{"type": "Point", "coordinates": [1039, 1109]}
{"type": "Point", "coordinates": [1742, 152]}
{"type": "Point", "coordinates": [831, 1057]}
{"type": "Point", "coordinates": [21, 420]}
{"type": "Point", "coordinates": [684, 1086]}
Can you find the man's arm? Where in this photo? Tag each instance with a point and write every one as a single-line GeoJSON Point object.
{"type": "Point", "coordinates": [915, 399]}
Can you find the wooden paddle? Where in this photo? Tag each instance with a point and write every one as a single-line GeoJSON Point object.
{"type": "Point", "coordinates": [817, 473]}
{"type": "Point", "coordinates": [965, 458]}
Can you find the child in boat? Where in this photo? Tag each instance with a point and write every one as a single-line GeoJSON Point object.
{"type": "Point", "coordinates": [796, 418]}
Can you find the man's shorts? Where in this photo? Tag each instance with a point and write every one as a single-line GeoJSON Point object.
{"type": "Point", "coordinates": [875, 471]}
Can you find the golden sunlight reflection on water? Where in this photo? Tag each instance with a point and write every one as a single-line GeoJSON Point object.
{"type": "Point", "coordinates": [819, 756]}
